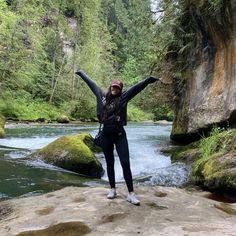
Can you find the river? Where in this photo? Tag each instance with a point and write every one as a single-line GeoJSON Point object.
{"type": "Point", "coordinates": [25, 178]}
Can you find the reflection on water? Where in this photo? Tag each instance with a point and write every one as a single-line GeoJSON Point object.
{"type": "Point", "coordinates": [19, 177]}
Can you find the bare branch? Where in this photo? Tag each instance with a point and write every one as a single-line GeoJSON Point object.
{"type": "Point", "coordinates": [158, 11]}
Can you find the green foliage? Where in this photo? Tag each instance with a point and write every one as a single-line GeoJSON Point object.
{"type": "Point", "coordinates": [136, 114]}
{"type": "Point", "coordinates": [163, 112]}
{"type": "Point", "coordinates": [81, 109]}
{"type": "Point", "coordinates": [22, 107]}
{"type": "Point", "coordinates": [129, 73]}
{"type": "Point", "coordinates": [43, 42]}
{"type": "Point", "coordinates": [217, 142]}
{"type": "Point", "coordinates": [181, 22]}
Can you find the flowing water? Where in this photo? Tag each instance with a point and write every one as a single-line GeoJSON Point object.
{"type": "Point", "coordinates": [19, 177]}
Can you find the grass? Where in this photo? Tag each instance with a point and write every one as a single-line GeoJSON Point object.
{"type": "Point", "coordinates": [219, 142]}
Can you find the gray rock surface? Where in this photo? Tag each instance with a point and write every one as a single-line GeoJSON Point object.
{"type": "Point", "coordinates": [86, 211]}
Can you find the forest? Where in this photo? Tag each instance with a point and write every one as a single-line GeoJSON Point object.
{"type": "Point", "coordinates": [42, 44]}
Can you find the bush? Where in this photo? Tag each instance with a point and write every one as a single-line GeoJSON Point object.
{"type": "Point", "coordinates": [27, 109]}
{"type": "Point", "coordinates": [9, 109]}
{"type": "Point", "coordinates": [136, 114]}
{"type": "Point", "coordinates": [163, 113]}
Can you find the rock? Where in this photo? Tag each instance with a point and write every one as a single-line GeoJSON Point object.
{"type": "Point", "coordinates": [209, 93]}
{"type": "Point", "coordinates": [72, 153]}
{"type": "Point", "coordinates": [63, 119]}
{"type": "Point", "coordinates": [2, 124]}
{"type": "Point", "coordinates": [40, 119]}
{"type": "Point", "coordinates": [218, 172]}
{"type": "Point", "coordinates": [89, 141]}
{"type": "Point", "coordinates": [87, 211]}
{"type": "Point", "coordinates": [188, 153]}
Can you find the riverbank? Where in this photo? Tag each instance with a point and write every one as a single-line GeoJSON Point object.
{"type": "Point", "coordinates": [30, 122]}
{"type": "Point", "coordinates": [87, 211]}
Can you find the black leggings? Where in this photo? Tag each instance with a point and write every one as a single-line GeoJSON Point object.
{"type": "Point", "coordinates": [111, 136]}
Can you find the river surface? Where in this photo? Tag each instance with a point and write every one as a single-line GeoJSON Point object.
{"type": "Point", "coordinates": [24, 178]}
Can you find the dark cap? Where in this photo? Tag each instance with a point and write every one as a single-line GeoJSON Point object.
{"type": "Point", "coordinates": [117, 83]}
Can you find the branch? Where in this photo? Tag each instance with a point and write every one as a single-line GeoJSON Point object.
{"type": "Point", "coordinates": [158, 11]}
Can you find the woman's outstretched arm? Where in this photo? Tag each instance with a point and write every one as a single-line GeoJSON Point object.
{"type": "Point", "coordinates": [92, 85]}
{"type": "Point", "coordinates": [137, 88]}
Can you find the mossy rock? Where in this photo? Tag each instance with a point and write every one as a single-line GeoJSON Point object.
{"type": "Point", "coordinates": [89, 141]}
{"type": "Point", "coordinates": [2, 124]}
{"type": "Point", "coordinates": [72, 153]}
{"type": "Point", "coordinates": [217, 172]}
{"type": "Point", "coordinates": [63, 119]}
{"type": "Point", "coordinates": [188, 153]}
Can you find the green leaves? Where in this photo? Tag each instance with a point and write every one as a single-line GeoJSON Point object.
{"type": "Point", "coordinates": [43, 42]}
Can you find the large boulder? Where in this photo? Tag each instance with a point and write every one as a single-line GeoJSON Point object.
{"type": "Point", "coordinates": [74, 153]}
{"type": "Point", "coordinates": [209, 93]}
{"type": "Point", "coordinates": [2, 124]}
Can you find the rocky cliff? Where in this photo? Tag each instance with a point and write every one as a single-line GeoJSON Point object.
{"type": "Point", "coordinates": [209, 97]}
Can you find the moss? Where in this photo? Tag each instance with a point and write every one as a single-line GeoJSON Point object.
{"type": "Point", "coordinates": [88, 140]}
{"type": "Point", "coordinates": [217, 171]}
{"type": "Point", "coordinates": [188, 153]}
{"type": "Point", "coordinates": [72, 153]}
{"type": "Point", "coordinates": [180, 126]}
{"type": "Point", "coordinates": [220, 172]}
{"type": "Point", "coordinates": [2, 124]}
{"type": "Point", "coordinates": [179, 130]}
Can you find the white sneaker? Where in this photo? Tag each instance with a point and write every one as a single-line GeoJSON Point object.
{"type": "Point", "coordinates": [132, 198]}
{"type": "Point", "coordinates": [112, 194]}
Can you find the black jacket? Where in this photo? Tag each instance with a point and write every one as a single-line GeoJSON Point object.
{"type": "Point", "coordinates": [114, 112]}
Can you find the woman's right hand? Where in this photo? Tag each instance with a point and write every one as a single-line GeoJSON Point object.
{"type": "Point", "coordinates": [78, 71]}
{"type": "Point", "coordinates": [153, 79]}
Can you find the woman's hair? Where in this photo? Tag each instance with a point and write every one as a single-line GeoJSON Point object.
{"type": "Point", "coordinates": [109, 97]}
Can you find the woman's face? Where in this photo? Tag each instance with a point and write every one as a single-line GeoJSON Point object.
{"type": "Point", "coordinates": [115, 90]}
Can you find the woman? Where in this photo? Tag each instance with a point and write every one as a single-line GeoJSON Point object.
{"type": "Point", "coordinates": [112, 113]}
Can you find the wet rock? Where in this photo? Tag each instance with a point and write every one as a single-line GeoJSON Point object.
{"type": "Point", "coordinates": [226, 207]}
{"type": "Point", "coordinates": [5, 210]}
{"type": "Point", "coordinates": [61, 229]}
{"type": "Point", "coordinates": [40, 119]}
{"type": "Point", "coordinates": [63, 119]}
{"type": "Point", "coordinates": [74, 153]}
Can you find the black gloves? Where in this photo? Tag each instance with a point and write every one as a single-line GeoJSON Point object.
{"type": "Point", "coordinates": [152, 79]}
